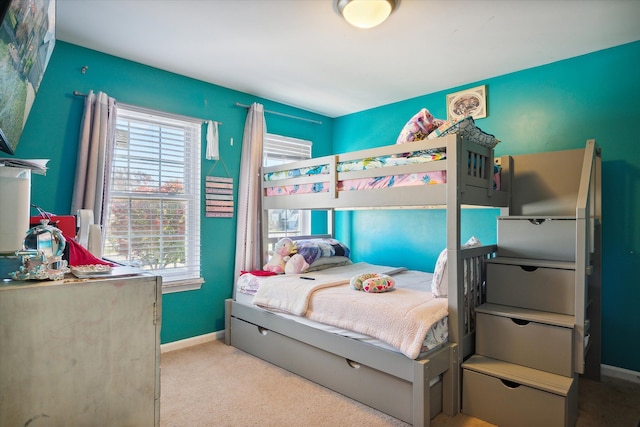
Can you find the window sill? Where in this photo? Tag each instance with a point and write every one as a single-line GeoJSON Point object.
{"type": "Point", "coordinates": [182, 285]}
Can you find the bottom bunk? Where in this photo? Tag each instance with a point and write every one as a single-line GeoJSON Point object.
{"type": "Point", "coordinates": [412, 384]}
{"type": "Point", "coordinates": [410, 390]}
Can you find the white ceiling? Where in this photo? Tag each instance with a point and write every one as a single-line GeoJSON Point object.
{"type": "Point", "coordinates": [302, 53]}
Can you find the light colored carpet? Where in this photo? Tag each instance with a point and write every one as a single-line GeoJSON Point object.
{"type": "Point", "coordinates": [216, 385]}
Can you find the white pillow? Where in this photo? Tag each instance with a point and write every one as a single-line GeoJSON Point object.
{"type": "Point", "coordinates": [440, 282]}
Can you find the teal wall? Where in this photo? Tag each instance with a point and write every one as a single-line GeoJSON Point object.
{"type": "Point", "coordinates": [51, 132]}
{"type": "Point", "coordinates": [553, 107]}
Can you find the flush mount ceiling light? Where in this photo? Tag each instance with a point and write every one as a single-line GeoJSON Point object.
{"type": "Point", "coordinates": [366, 13]}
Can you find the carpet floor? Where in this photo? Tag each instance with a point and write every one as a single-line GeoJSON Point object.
{"type": "Point", "coordinates": [213, 384]}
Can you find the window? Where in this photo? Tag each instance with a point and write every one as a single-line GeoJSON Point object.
{"type": "Point", "coordinates": [278, 150]}
{"type": "Point", "coordinates": [153, 202]}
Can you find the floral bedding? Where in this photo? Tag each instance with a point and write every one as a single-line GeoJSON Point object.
{"type": "Point", "coordinates": [358, 165]}
{"type": "Point", "coordinates": [426, 178]}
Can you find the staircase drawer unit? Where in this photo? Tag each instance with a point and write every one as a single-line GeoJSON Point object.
{"type": "Point", "coordinates": [510, 395]}
{"type": "Point", "coordinates": [551, 238]}
{"type": "Point", "coordinates": [534, 284]}
{"type": "Point", "coordinates": [513, 337]}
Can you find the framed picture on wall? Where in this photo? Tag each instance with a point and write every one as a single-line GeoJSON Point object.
{"type": "Point", "coordinates": [467, 102]}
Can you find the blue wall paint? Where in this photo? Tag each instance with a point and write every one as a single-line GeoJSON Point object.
{"type": "Point", "coordinates": [419, 240]}
{"type": "Point", "coordinates": [553, 107]}
{"type": "Point", "coordinates": [52, 132]}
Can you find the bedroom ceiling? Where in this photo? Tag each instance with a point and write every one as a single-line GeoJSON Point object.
{"type": "Point", "coordinates": [302, 53]}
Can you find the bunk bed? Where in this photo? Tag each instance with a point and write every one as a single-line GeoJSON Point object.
{"type": "Point", "coordinates": [457, 173]}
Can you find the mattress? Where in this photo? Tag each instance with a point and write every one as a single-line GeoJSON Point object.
{"type": "Point", "coordinates": [412, 280]}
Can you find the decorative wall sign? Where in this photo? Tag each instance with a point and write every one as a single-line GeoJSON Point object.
{"type": "Point", "coordinates": [470, 102]}
{"type": "Point", "coordinates": [219, 197]}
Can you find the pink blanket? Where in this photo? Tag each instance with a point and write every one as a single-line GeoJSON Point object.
{"type": "Point", "coordinates": [401, 317]}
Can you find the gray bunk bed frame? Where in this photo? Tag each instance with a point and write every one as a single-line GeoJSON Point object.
{"type": "Point", "coordinates": [359, 370]}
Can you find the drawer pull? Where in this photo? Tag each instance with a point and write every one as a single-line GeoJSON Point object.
{"type": "Point", "coordinates": [263, 331]}
{"type": "Point", "coordinates": [354, 365]}
{"type": "Point", "coordinates": [510, 384]}
{"type": "Point", "coordinates": [520, 322]}
{"type": "Point", "coordinates": [529, 268]}
{"type": "Point", "coordinates": [537, 221]}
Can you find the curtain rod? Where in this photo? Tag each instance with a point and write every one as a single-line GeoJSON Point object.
{"type": "Point", "coordinates": [76, 93]}
{"type": "Point", "coordinates": [282, 114]}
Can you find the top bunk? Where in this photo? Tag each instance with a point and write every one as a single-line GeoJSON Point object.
{"type": "Point", "coordinates": [444, 172]}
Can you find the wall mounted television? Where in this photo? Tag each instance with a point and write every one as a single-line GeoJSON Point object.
{"type": "Point", "coordinates": [27, 38]}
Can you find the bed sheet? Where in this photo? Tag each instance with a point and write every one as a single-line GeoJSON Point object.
{"type": "Point", "coordinates": [411, 280]}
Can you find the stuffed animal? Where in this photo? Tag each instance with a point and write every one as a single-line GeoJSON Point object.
{"type": "Point", "coordinates": [282, 252]}
{"type": "Point", "coordinates": [372, 282]}
{"type": "Point", "coordinates": [296, 264]}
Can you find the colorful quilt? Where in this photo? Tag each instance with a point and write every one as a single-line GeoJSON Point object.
{"type": "Point", "coordinates": [425, 178]}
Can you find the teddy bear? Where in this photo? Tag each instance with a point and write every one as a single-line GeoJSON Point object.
{"type": "Point", "coordinates": [282, 252]}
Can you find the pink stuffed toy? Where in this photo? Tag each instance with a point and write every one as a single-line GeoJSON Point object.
{"type": "Point", "coordinates": [296, 264]}
{"type": "Point", "coordinates": [281, 254]}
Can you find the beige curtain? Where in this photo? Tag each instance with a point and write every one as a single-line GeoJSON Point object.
{"type": "Point", "coordinates": [248, 234]}
{"type": "Point", "coordinates": [95, 148]}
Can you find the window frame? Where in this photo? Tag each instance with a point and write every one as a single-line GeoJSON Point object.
{"type": "Point", "coordinates": [284, 150]}
{"type": "Point", "coordinates": [182, 278]}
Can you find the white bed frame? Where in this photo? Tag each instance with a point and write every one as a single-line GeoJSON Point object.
{"type": "Point", "coordinates": [385, 380]}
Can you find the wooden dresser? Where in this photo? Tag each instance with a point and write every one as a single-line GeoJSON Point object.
{"type": "Point", "coordinates": [80, 352]}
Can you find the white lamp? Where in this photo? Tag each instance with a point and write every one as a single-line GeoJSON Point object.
{"type": "Point", "coordinates": [366, 13]}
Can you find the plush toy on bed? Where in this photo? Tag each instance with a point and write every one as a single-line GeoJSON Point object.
{"type": "Point", "coordinates": [372, 282]}
{"type": "Point", "coordinates": [282, 252]}
{"type": "Point", "coordinates": [296, 264]}
{"type": "Point", "coordinates": [285, 259]}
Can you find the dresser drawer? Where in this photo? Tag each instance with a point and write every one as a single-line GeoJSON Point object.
{"type": "Point", "coordinates": [509, 403]}
{"type": "Point", "coordinates": [527, 343]}
{"type": "Point", "coordinates": [543, 238]}
{"type": "Point", "coordinates": [533, 287]}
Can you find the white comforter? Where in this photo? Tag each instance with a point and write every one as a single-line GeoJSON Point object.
{"type": "Point", "coordinates": [401, 317]}
{"type": "Point", "coordinates": [290, 293]}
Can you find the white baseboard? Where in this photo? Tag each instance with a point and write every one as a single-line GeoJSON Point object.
{"type": "Point", "coordinates": [189, 342]}
{"type": "Point", "coordinates": [620, 373]}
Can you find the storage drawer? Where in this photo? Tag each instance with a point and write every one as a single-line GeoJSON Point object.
{"type": "Point", "coordinates": [536, 288]}
{"type": "Point", "coordinates": [543, 238]}
{"type": "Point", "coordinates": [536, 345]}
{"type": "Point", "coordinates": [508, 403]}
{"type": "Point", "coordinates": [378, 389]}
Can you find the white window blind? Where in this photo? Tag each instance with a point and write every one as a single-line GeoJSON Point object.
{"type": "Point", "coordinates": [153, 204]}
{"type": "Point", "coordinates": [279, 149]}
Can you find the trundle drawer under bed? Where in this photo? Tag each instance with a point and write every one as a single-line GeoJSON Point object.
{"type": "Point", "coordinates": [382, 379]}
